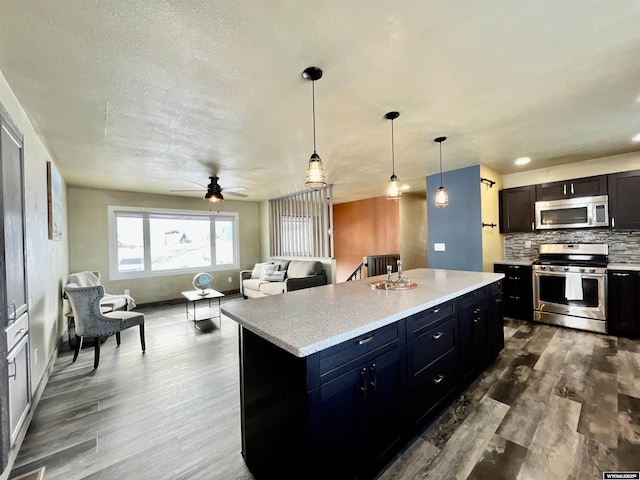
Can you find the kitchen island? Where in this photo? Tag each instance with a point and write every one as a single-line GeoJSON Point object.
{"type": "Point", "coordinates": [334, 380]}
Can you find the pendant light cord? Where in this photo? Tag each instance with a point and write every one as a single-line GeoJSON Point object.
{"type": "Point", "coordinates": [313, 109]}
{"type": "Point", "coordinates": [440, 163]}
{"type": "Point", "coordinates": [393, 152]}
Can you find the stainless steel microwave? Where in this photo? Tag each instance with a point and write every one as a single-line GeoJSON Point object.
{"type": "Point", "coordinates": [582, 212]}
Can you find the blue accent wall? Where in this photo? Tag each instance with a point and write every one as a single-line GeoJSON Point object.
{"type": "Point", "coordinates": [458, 225]}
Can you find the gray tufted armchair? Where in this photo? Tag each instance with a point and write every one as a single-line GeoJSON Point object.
{"type": "Point", "coordinates": [91, 322]}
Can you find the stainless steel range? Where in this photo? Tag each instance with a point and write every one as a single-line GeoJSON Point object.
{"type": "Point", "coordinates": [570, 285]}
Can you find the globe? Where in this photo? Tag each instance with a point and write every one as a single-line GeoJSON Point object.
{"type": "Point", "coordinates": [202, 281]}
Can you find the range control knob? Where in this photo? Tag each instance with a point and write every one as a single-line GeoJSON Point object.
{"type": "Point", "coordinates": [592, 270]}
{"type": "Point", "coordinates": [566, 269]}
{"type": "Point", "coordinates": [582, 270]}
{"type": "Point", "coordinates": [542, 267]}
{"type": "Point", "coordinates": [552, 269]}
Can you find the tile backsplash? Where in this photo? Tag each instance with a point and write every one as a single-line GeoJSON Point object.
{"type": "Point", "coordinates": [624, 247]}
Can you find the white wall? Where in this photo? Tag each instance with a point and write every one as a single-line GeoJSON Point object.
{"type": "Point", "coordinates": [587, 168]}
{"type": "Point", "coordinates": [47, 260]}
{"type": "Point", "coordinates": [89, 247]}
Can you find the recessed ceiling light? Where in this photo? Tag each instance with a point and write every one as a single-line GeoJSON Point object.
{"type": "Point", "coordinates": [636, 138]}
{"type": "Point", "coordinates": [522, 160]}
{"type": "Point", "coordinates": [404, 188]}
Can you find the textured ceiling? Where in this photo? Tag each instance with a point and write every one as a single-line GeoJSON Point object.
{"type": "Point", "coordinates": [150, 95]}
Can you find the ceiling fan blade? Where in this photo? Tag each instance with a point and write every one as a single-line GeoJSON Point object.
{"type": "Point", "coordinates": [192, 190]}
{"type": "Point", "coordinates": [199, 184]}
{"type": "Point", "coordinates": [225, 189]}
{"type": "Point", "coordinates": [235, 194]}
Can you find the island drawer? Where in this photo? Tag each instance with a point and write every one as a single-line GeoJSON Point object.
{"type": "Point", "coordinates": [495, 288]}
{"type": "Point", "coordinates": [360, 349]}
{"type": "Point", "coordinates": [432, 387]}
{"type": "Point", "coordinates": [474, 297]}
{"type": "Point", "coordinates": [421, 322]}
{"type": "Point", "coordinates": [432, 344]}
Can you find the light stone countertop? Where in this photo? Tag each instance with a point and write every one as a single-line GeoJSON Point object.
{"type": "Point", "coordinates": [307, 321]}
{"type": "Point", "coordinates": [518, 261]}
{"type": "Point", "coordinates": [623, 266]}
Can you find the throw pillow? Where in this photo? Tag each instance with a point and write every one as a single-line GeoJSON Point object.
{"type": "Point", "coordinates": [257, 269]}
{"type": "Point", "coordinates": [276, 276]}
{"type": "Point", "coordinates": [266, 269]}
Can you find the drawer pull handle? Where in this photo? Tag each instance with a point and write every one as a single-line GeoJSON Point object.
{"type": "Point", "coordinates": [438, 335]}
{"type": "Point", "coordinates": [435, 310]}
{"type": "Point", "coordinates": [477, 310]}
{"type": "Point", "coordinates": [19, 332]}
{"type": "Point", "coordinates": [438, 379]}
{"type": "Point", "coordinates": [366, 340]}
{"type": "Point", "coordinates": [620, 274]}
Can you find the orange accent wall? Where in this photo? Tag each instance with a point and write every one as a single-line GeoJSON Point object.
{"type": "Point", "coordinates": [361, 228]}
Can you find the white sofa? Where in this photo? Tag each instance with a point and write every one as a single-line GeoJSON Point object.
{"type": "Point", "coordinates": [298, 274]}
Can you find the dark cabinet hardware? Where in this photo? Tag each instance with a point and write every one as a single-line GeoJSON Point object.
{"type": "Point", "coordinates": [620, 274]}
{"type": "Point", "coordinates": [373, 379]}
{"type": "Point", "coordinates": [437, 335]}
{"type": "Point", "coordinates": [366, 340]}
{"type": "Point", "coordinates": [363, 380]}
{"type": "Point", "coordinates": [435, 310]}
{"type": "Point", "coordinates": [438, 379]}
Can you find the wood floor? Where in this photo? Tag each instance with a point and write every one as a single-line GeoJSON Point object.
{"type": "Point", "coordinates": [556, 403]}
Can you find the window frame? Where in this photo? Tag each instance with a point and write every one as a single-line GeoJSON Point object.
{"type": "Point", "coordinates": [146, 213]}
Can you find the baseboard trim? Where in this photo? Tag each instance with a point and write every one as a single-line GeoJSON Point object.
{"type": "Point", "coordinates": [176, 301]}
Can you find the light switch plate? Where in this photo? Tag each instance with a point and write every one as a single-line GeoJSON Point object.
{"type": "Point", "coordinates": [439, 247]}
{"type": "Point", "coordinates": [527, 244]}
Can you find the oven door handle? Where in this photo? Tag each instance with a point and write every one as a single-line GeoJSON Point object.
{"type": "Point", "coordinates": [563, 274]}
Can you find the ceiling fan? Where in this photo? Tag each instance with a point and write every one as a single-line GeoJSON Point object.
{"type": "Point", "coordinates": [214, 190]}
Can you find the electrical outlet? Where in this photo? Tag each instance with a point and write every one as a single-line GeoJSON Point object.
{"type": "Point", "coordinates": [439, 247]}
{"type": "Point", "coordinates": [35, 356]}
{"type": "Point", "coordinates": [229, 280]}
{"type": "Point", "coordinates": [527, 244]}
{"type": "Point", "coordinates": [126, 291]}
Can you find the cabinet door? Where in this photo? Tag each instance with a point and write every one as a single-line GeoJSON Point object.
{"type": "Point", "coordinates": [578, 187]}
{"type": "Point", "coordinates": [384, 408]}
{"type": "Point", "coordinates": [474, 340]}
{"type": "Point", "coordinates": [496, 326]}
{"type": "Point", "coordinates": [13, 226]}
{"type": "Point", "coordinates": [338, 419]}
{"type": "Point", "coordinates": [623, 294]}
{"type": "Point", "coordinates": [624, 198]}
{"type": "Point", "coordinates": [517, 209]}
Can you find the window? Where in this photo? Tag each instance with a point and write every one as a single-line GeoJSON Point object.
{"type": "Point", "coordinates": [153, 242]}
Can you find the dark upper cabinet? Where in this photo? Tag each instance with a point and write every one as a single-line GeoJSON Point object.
{"type": "Point", "coordinates": [624, 198]}
{"type": "Point", "coordinates": [517, 209]}
{"type": "Point", "coordinates": [578, 187]}
{"type": "Point", "coordinates": [624, 302]}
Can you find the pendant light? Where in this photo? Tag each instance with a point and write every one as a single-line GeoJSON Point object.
{"type": "Point", "coordinates": [315, 170]}
{"type": "Point", "coordinates": [442, 199]}
{"type": "Point", "coordinates": [393, 187]}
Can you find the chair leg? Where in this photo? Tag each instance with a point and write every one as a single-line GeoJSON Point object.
{"type": "Point", "coordinates": [76, 351]}
{"type": "Point", "coordinates": [96, 355]}
{"type": "Point", "coordinates": [118, 339]}
{"type": "Point", "coordinates": [142, 342]}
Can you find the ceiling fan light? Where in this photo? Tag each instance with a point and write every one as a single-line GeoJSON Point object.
{"type": "Point", "coordinates": [315, 172]}
{"type": "Point", "coordinates": [213, 197]}
{"type": "Point", "coordinates": [442, 199]}
{"type": "Point", "coordinates": [394, 193]}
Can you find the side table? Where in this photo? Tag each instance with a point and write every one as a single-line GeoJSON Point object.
{"type": "Point", "coordinates": [197, 314]}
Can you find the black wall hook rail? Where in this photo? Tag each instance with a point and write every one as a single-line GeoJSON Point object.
{"type": "Point", "coordinates": [492, 225]}
{"type": "Point", "coordinates": [491, 183]}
